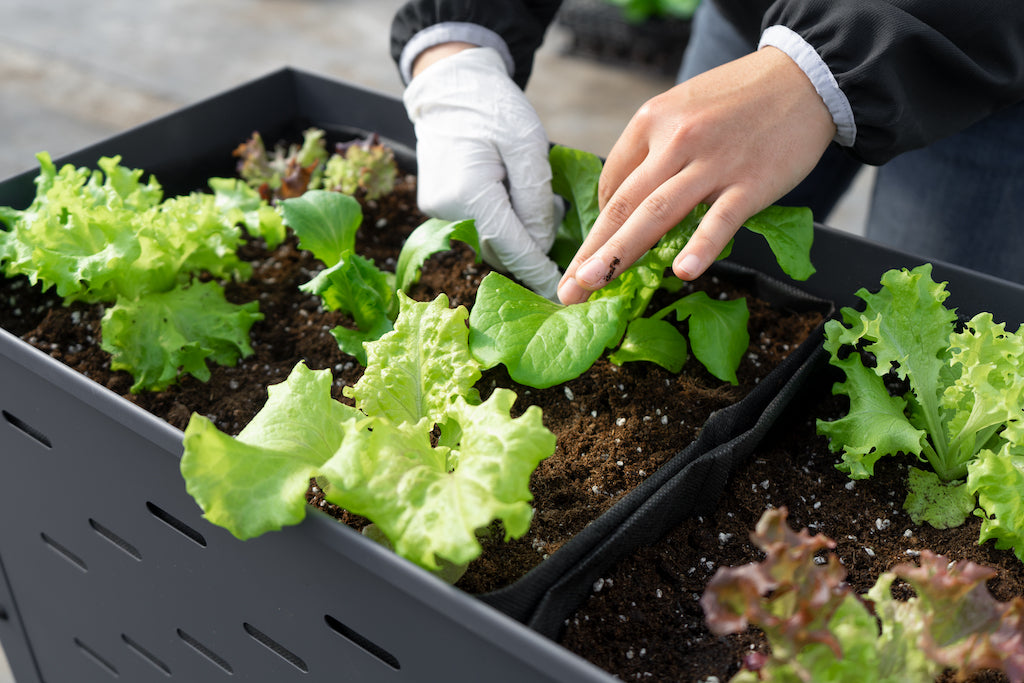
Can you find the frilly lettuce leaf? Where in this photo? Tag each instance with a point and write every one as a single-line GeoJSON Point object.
{"type": "Point", "coordinates": [959, 624]}
{"type": "Point", "coordinates": [989, 391]}
{"type": "Point", "coordinates": [257, 481]}
{"type": "Point", "coordinates": [430, 502]}
{"type": "Point", "coordinates": [962, 413]}
{"type": "Point", "coordinates": [243, 205]}
{"type": "Point", "coordinates": [159, 336]}
{"type": "Point", "coordinates": [102, 234]}
{"type": "Point", "coordinates": [74, 235]}
{"type": "Point", "coordinates": [429, 497]}
{"type": "Point", "coordinates": [419, 368]}
{"type": "Point", "coordinates": [876, 425]}
{"type": "Point", "coordinates": [181, 237]}
{"type": "Point", "coordinates": [906, 328]}
{"type": "Point", "coordinates": [944, 505]}
{"type": "Point", "coordinates": [998, 480]}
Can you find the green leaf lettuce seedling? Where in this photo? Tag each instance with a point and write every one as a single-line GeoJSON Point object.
{"type": "Point", "coordinates": [419, 455]}
{"type": "Point", "coordinates": [958, 406]}
{"type": "Point", "coordinates": [543, 344]}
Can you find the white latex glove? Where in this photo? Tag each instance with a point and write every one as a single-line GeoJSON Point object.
{"type": "Point", "coordinates": [483, 154]}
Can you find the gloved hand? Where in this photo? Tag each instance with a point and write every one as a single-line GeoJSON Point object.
{"type": "Point", "coordinates": [483, 154]}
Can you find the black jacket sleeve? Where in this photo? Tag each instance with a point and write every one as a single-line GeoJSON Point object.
{"type": "Point", "coordinates": [914, 71]}
{"type": "Point", "coordinates": [521, 23]}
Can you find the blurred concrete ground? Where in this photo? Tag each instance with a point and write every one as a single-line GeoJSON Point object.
{"type": "Point", "coordinates": [72, 73]}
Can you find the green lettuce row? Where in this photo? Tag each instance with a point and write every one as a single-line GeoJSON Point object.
{"type": "Point", "coordinates": [105, 236]}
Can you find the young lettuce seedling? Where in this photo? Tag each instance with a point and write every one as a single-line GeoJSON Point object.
{"type": "Point", "coordinates": [419, 455]}
{"type": "Point", "coordinates": [821, 632]}
{"type": "Point", "coordinates": [289, 171]}
{"type": "Point", "coordinates": [961, 411]}
{"type": "Point", "coordinates": [543, 344]}
{"type": "Point", "coordinates": [326, 223]}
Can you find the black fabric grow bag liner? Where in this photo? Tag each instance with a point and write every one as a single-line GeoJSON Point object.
{"type": "Point", "coordinates": [689, 484]}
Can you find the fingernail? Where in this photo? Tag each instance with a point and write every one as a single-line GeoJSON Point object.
{"type": "Point", "coordinates": [569, 292]}
{"type": "Point", "coordinates": [593, 273]}
{"type": "Point", "coordinates": [688, 267]}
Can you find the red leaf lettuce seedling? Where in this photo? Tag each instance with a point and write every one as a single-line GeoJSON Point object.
{"type": "Point", "coordinates": [821, 632]}
{"type": "Point", "coordinates": [960, 409]}
{"type": "Point", "coordinates": [288, 171]}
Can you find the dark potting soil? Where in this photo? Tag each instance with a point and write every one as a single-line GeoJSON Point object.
{"type": "Point", "coordinates": [614, 427]}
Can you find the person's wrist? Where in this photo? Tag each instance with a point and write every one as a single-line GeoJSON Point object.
{"type": "Point", "coordinates": [436, 53]}
{"type": "Point", "coordinates": [799, 86]}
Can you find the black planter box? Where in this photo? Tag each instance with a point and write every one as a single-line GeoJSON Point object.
{"type": "Point", "coordinates": [600, 30]}
{"type": "Point", "coordinates": [109, 570]}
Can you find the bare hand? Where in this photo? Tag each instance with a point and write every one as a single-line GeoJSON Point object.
{"type": "Point", "coordinates": [737, 137]}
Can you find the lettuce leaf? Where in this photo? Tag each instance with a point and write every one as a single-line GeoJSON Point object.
{"type": "Point", "coordinates": [354, 285]}
{"type": "Point", "coordinates": [543, 344]}
{"type": "Point", "coordinates": [718, 331]}
{"type": "Point", "coordinates": [540, 342]}
{"type": "Point", "coordinates": [158, 336]}
{"type": "Point", "coordinates": [430, 502]}
{"type": "Point", "coordinates": [431, 237]}
{"type": "Point", "coordinates": [243, 205]}
{"type": "Point", "coordinates": [78, 233]}
{"type": "Point", "coordinates": [257, 482]}
{"type": "Point", "coordinates": [573, 177]}
{"type": "Point", "coordinates": [104, 236]}
{"type": "Point", "coordinates": [325, 222]}
{"type": "Point", "coordinates": [655, 341]}
{"type": "Point", "coordinates": [997, 479]}
{"type": "Point", "coordinates": [418, 369]}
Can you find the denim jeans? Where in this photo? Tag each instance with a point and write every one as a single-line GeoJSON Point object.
{"type": "Point", "coordinates": [960, 200]}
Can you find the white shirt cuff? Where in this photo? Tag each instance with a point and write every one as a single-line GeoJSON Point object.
{"type": "Point", "coordinates": [449, 31]}
{"type": "Point", "coordinates": [811, 63]}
